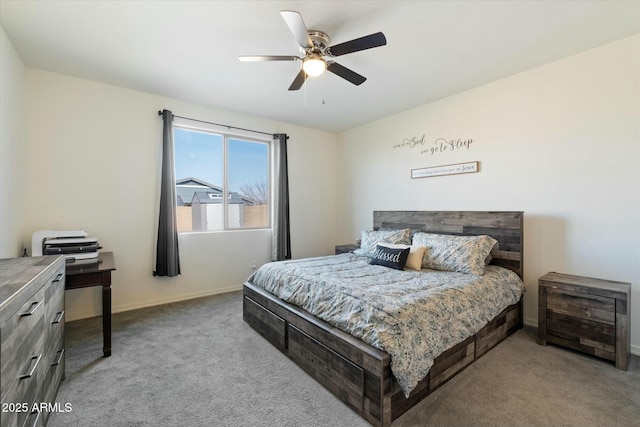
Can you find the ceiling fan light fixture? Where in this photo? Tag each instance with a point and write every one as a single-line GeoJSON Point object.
{"type": "Point", "coordinates": [314, 65]}
{"type": "Point", "coordinates": [314, 46]}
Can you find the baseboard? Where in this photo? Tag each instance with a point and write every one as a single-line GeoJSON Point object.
{"type": "Point", "coordinates": [530, 322]}
{"type": "Point", "coordinates": [136, 306]}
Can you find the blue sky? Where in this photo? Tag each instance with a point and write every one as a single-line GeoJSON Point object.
{"type": "Point", "coordinates": [200, 155]}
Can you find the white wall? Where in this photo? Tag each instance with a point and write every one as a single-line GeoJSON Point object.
{"type": "Point", "coordinates": [94, 163]}
{"type": "Point", "coordinates": [13, 153]}
{"type": "Point", "coordinates": [560, 142]}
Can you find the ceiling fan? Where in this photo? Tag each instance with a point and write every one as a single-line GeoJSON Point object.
{"type": "Point", "coordinates": [315, 47]}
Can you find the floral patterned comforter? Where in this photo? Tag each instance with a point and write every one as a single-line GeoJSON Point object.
{"type": "Point", "coordinates": [412, 315]}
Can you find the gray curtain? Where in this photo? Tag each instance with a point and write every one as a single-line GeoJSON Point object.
{"type": "Point", "coordinates": [167, 256]}
{"type": "Point", "coordinates": [281, 240]}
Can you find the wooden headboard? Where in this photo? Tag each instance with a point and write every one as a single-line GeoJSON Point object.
{"type": "Point", "coordinates": [505, 227]}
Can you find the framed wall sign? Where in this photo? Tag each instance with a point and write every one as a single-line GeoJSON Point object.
{"type": "Point", "coordinates": [455, 169]}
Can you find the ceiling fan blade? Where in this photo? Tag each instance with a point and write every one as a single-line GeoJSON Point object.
{"type": "Point", "coordinates": [346, 73]}
{"type": "Point", "coordinates": [295, 23]}
{"type": "Point", "coordinates": [356, 45]}
{"type": "Point", "coordinates": [261, 58]}
{"type": "Point", "coordinates": [298, 81]}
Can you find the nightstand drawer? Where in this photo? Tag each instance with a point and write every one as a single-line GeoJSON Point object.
{"type": "Point", "coordinates": [582, 305]}
{"type": "Point", "coordinates": [590, 337]}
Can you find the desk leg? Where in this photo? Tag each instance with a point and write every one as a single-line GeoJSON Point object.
{"type": "Point", "coordinates": [106, 316]}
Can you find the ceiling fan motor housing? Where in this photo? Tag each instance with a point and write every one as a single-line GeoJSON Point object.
{"type": "Point", "coordinates": [320, 41]}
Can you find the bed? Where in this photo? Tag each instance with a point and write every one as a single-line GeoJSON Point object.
{"type": "Point", "coordinates": [361, 374]}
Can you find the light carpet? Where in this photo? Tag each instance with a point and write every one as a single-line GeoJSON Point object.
{"type": "Point", "coordinates": [196, 363]}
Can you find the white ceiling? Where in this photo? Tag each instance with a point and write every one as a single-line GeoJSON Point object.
{"type": "Point", "coordinates": [188, 49]}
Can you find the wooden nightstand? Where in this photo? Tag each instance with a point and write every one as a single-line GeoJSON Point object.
{"type": "Point", "coordinates": [585, 314]}
{"type": "Point", "coordinates": [343, 249]}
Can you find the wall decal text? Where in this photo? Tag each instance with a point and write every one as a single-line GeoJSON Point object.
{"type": "Point", "coordinates": [439, 145]}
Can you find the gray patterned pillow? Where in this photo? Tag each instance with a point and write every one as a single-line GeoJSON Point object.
{"type": "Point", "coordinates": [464, 254]}
{"type": "Point", "coordinates": [371, 238]}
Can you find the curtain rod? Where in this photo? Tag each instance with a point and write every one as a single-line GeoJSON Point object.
{"type": "Point", "coordinates": [218, 124]}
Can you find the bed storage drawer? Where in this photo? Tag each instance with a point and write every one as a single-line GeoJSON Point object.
{"type": "Point", "coordinates": [266, 323]}
{"type": "Point", "coordinates": [339, 375]}
{"type": "Point", "coordinates": [451, 362]}
{"type": "Point", "coordinates": [504, 324]}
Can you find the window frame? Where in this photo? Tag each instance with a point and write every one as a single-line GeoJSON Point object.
{"type": "Point", "coordinates": [226, 136]}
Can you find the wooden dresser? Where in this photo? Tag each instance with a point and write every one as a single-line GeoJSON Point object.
{"type": "Point", "coordinates": [585, 314]}
{"type": "Point", "coordinates": [31, 338]}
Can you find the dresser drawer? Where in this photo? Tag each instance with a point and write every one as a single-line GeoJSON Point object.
{"type": "Point", "coordinates": [23, 393]}
{"type": "Point", "coordinates": [54, 294]}
{"type": "Point", "coordinates": [54, 316]}
{"type": "Point", "coordinates": [22, 344]}
{"type": "Point", "coordinates": [35, 419]}
{"type": "Point", "coordinates": [55, 374]}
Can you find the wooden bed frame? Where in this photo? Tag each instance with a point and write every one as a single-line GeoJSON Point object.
{"type": "Point", "coordinates": [359, 374]}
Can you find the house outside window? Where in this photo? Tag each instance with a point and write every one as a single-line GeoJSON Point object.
{"type": "Point", "coordinates": [222, 181]}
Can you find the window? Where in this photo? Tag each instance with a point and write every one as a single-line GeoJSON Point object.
{"type": "Point", "coordinates": [222, 181]}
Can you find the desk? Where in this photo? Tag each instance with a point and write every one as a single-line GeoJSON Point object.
{"type": "Point", "coordinates": [83, 275]}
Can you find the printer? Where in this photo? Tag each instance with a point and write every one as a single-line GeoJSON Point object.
{"type": "Point", "coordinates": [73, 244]}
